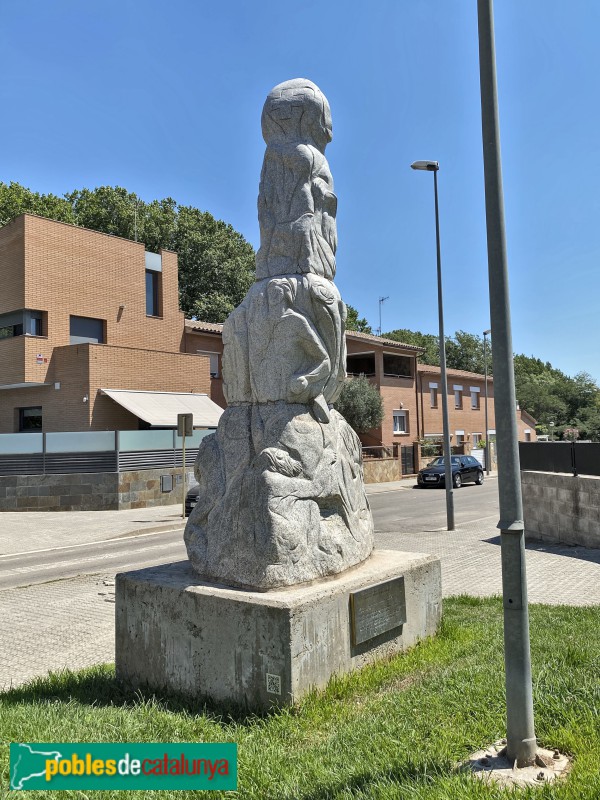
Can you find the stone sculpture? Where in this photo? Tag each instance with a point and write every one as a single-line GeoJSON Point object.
{"type": "Point", "coordinates": [282, 498]}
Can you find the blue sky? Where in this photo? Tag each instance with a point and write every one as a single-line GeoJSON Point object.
{"type": "Point", "coordinates": [164, 98]}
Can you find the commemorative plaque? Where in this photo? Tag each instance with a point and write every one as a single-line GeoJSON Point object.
{"type": "Point", "coordinates": [377, 609]}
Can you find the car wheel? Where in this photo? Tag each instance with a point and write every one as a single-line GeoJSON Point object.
{"type": "Point", "coordinates": [479, 480]}
{"type": "Point", "coordinates": [457, 481]}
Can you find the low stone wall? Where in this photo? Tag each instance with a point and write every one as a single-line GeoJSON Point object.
{"type": "Point", "coordinates": [559, 507]}
{"type": "Point", "coordinates": [90, 491]}
{"type": "Point", "coordinates": [382, 470]}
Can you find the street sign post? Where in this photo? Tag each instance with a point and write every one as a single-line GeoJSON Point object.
{"type": "Point", "coordinates": [185, 427]}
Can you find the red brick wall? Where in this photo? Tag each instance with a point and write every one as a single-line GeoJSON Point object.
{"type": "Point", "coordinates": [12, 261]}
{"type": "Point", "coordinates": [465, 418]}
{"type": "Point", "coordinates": [209, 343]}
{"type": "Point", "coordinates": [83, 369]}
{"type": "Point", "coordinates": [74, 271]}
{"type": "Point", "coordinates": [129, 368]}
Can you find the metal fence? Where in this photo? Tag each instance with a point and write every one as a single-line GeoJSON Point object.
{"type": "Point", "coordinates": [95, 451]}
{"type": "Point", "coordinates": [578, 458]}
{"type": "Point", "coordinates": [377, 451]}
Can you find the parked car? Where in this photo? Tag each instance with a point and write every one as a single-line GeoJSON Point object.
{"type": "Point", "coordinates": [191, 499]}
{"type": "Point", "coordinates": [464, 470]}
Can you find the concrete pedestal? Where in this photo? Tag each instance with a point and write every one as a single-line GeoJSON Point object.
{"type": "Point", "coordinates": [260, 649]}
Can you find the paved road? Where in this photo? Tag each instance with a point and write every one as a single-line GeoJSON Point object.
{"type": "Point", "coordinates": [71, 620]}
{"type": "Point", "coordinates": [401, 510]}
{"type": "Point", "coordinates": [411, 509]}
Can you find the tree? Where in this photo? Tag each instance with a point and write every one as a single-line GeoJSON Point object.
{"type": "Point", "coordinates": [216, 263]}
{"type": "Point", "coordinates": [16, 199]}
{"type": "Point", "coordinates": [426, 340]}
{"type": "Point", "coordinates": [465, 351]}
{"type": "Point", "coordinates": [353, 323]}
{"type": "Point", "coordinates": [361, 404]}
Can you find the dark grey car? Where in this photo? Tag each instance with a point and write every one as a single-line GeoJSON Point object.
{"type": "Point", "coordinates": [465, 469]}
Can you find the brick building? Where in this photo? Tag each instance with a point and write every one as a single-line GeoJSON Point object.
{"type": "Point", "coordinates": [82, 312]}
{"type": "Point", "coordinates": [411, 392]}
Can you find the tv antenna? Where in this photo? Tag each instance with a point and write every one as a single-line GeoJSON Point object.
{"type": "Point", "coordinates": [381, 302]}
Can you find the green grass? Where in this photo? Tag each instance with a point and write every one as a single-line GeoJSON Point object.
{"type": "Point", "coordinates": [393, 730]}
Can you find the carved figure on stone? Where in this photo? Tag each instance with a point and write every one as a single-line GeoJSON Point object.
{"type": "Point", "coordinates": [285, 342]}
{"type": "Point", "coordinates": [296, 203]}
{"type": "Point", "coordinates": [281, 497]}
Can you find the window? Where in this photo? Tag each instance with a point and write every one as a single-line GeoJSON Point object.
{"type": "Point", "coordinates": [30, 419]}
{"type": "Point", "coordinates": [527, 436]}
{"type": "Point", "coordinates": [458, 397]}
{"type": "Point", "coordinates": [433, 394]}
{"type": "Point", "coordinates": [475, 439]}
{"type": "Point", "coordinates": [397, 366]}
{"type": "Point", "coordinates": [36, 326]}
{"type": "Point", "coordinates": [86, 329]}
{"type": "Point", "coordinates": [152, 293]}
{"type": "Point", "coordinates": [460, 437]}
{"type": "Point", "coordinates": [214, 362]}
{"type": "Point", "coordinates": [20, 323]}
{"type": "Point", "coordinates": [474, 397]}
{"type": "Point", "coordinates": [8, 331]}
{"type": "Point", "coordinates": [400, 421]}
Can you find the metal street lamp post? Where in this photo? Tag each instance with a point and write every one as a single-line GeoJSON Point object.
{"type": "Point", "coordinates": [487, 432]}
{"type": "Point", "coordinates": [433, 166]}
{"type": "Point", "coordinates": [521, 744]}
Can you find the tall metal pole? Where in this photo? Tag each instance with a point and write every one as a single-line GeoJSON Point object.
{"type": "Point", "coordinates": [521, 740]}
{"type": "Point", "coordinates": [487, 435]}
{"type": "Point", "coordinates": [446, 426]}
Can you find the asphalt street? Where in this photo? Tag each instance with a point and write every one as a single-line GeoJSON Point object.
{"type": "Point", "coordinates": [412, 509]}
{"type": "Point", "coordinates": [402, 510]}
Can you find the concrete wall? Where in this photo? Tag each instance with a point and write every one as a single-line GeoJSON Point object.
{"type": "Point", "coordinates": [562, 508]}
{"type": "Point", "coordinates": [91, 491]}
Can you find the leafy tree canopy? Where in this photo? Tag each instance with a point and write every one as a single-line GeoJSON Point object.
{"type": "Point", "coordinates": [361, 404]}
{"type": "Point", "coordinates": [418, 339]}
{"type": "Point", "coordinates": [216, 263]}
{"type": "Point", "coordinates": [353, 323]}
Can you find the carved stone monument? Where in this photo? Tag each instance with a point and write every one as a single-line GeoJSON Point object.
{"type": "Point", "coordinates": [283, 588]}
{"type": "Point", "coordinates": [281, 498]}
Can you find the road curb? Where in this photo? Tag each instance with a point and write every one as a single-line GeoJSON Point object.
{"type": "Point", "coordinates": [174, 526]}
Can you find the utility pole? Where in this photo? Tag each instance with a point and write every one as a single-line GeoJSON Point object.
{"type": "Point", "coordinates": [521, 741]}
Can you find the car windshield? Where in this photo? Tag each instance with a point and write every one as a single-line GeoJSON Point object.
{"type": "Point", "coordinates": [439, 462]}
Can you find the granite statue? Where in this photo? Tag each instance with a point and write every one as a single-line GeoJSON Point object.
{"type": "Point", "coordinates": [282, 498]}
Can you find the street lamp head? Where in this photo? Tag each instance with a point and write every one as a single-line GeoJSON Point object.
{"type": "Point", "coordinates": [487, 333]}
{"type": "Point", "coordinates": [430, 166]}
